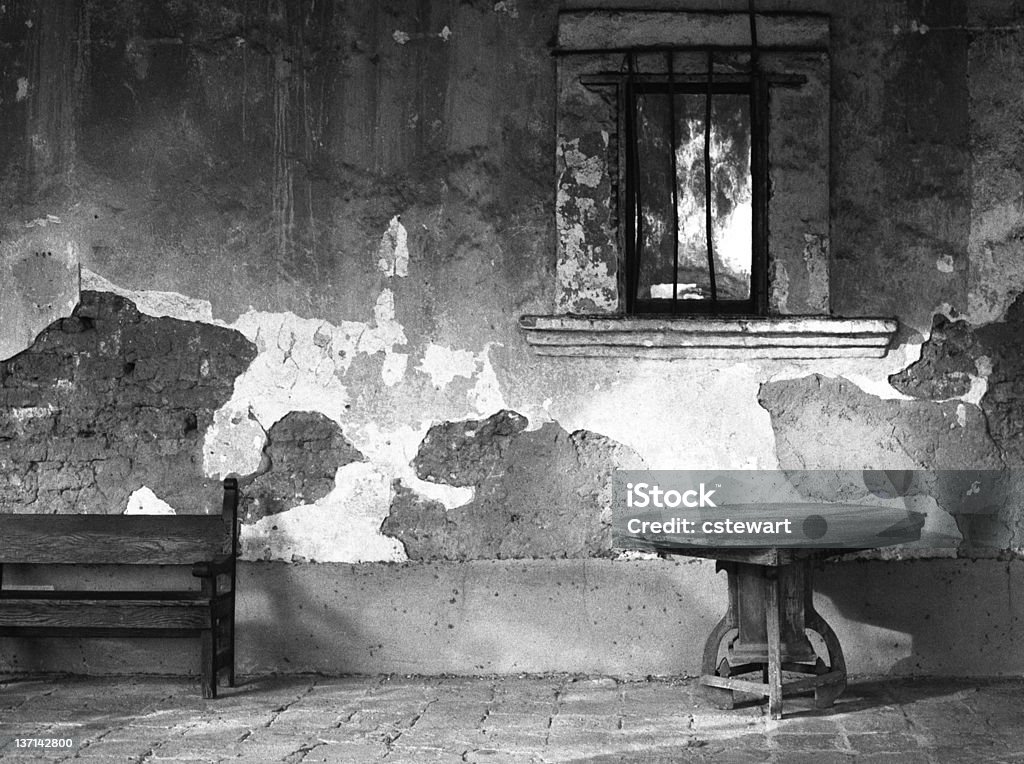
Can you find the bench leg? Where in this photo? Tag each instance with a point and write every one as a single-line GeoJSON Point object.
{"type": "Point", "coordinates": [231, 640]}
{"type": "Point", "coordinates": [208, 669]}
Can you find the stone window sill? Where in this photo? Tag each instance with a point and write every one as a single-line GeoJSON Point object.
{"type": "Point", "coordinates": [787, 337]}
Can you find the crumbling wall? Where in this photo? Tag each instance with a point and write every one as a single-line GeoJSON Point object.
{"type": "Point", "coordinates": [542, 493]}
{"type": "Point", "coordinates": [304, 451]}
{"type": "Point", "coordinates": [365, 192]}
{"type": "Point", "coordinates": [107, 401]}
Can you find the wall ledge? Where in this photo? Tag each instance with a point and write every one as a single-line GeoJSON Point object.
{"type": "Point", "coordinates": [786, 337]}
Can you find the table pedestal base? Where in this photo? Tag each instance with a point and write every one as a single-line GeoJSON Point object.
{"type": "Point", "coordinates": [764, 631]}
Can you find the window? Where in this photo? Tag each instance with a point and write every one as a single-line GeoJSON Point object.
{"type": "Point", "coordinates": [693, 208]}
{"type": "Point", "coordinates": [643, 97]}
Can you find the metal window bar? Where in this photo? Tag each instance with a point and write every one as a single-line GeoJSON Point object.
{"type": "Point", "coordinates": [632, 186]}
{"type": "Point", "coordinates": [634, 83]}
{"type": "Point", "coordinates": [708, 217]}
{"type": "Point", "coordinates": [759, 171]}
{"type": "Point", "coordinates": [675, 180]}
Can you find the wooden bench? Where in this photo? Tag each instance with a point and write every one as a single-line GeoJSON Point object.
{"type": "Point", "coordinates": [207, 543]}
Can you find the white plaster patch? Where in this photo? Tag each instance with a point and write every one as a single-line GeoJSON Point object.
{"type": "Point", "coordinates": [961, 415]}
{"type": "Point", "coordinates": [486, 396]}
{"type": "Point", "coordinates": [152, 303]}
{"type": "Point", "coordinates": [445, 34]}
{"type": "Point", "coordinates": [387, 332]}
{"type": "Point", "coordinates": [343, 526]}
{"type": "Point", "coordinates": [393, 369]}
{"type": "Point", "coordinates": [580, 276]}
{"type": "Point", "coordinates": [944, 264]}
{"type": "Point", "coordinates": [393, 252]}
{"type": "Point", "coordinates": [291, 372]}
{"type": "Point", "coordinates": [22, 92]}
{"type": "Point", "coordinates": [299, 367]}
{"type": "Point", "coordinates": [682, 416]}
{"type": "Point", "coordinates": [394, 450]}
{"type": "Point", "coordinates": [587, 171]}
{"type": "Point", "coordinates": [233, 444]}
{"type": "Point", "coordinates": [508, 7]}
{"type": "Point", "coordinates": [979, 386]}
{"type": "Point", "coordinates": [400, 37]}
{"type": "Point", "coordinates": [443, 364]}
{"type": "Point", "coordinates": [24, 414]}
{"type": "Point", "coordinates": [144, 502]}
{"type": "Point", "coordinates": [39, 283]}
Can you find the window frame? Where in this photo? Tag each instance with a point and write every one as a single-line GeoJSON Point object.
{"type": "Point", "coordinates": [756, 87]}
{"type": "Point", "coordinates": [586, 317]}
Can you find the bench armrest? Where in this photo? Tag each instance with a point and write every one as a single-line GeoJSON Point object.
{"type": "Point", "coordinates": [224, 563]}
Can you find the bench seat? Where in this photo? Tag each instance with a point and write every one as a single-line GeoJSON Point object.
{"type": "Point", "coordinates": [207, 544]}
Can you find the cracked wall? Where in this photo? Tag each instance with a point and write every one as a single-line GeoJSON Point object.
{"type": "Point", "coordinates": [825, 424]}
{"type": "Point", "coordinates": [539, 493]}
{"type": "Point", "coordinates": [303, 453]}
{"type": "Point", "coordinates": [373, 211]}
{"type": "Point", "coordinates": [108, 401]}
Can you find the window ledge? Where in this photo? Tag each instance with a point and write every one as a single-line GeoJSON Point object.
{"type": "Point", "coordinates": [790, 337]}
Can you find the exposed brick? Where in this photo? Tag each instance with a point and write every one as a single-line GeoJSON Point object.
{"type": "Point", "coordinates": [304, 451]}
{"type": "Point", "coordinates": [109, 400]}
{"type": "Point", "coordinates": [543, 493]}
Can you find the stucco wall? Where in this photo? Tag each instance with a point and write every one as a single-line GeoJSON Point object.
{"type": "Point", "coordinates": [344, 209]}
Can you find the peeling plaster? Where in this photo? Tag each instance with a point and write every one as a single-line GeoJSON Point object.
{"type": "Point", "coordinates": [443, 364]}
{"type": "Point", "coordinates": [233, 444]}
{"type": "Point", "coordinates": [145, 502]}
{"type": "Point", "coordinates": [302, 363]}
{"type": "Point", "coordinates": [586, 170]}
{"type": "Point", "coordinates": [816, 259]}
{"type": "Point", "coordinates": [580, 277]}
{"type": "Point", "coordinates": [301, 366]}
{"type": "Point", "coordinates": [39, 283]}
{"type": "Point", "coordinates": [778, 295]}
{"type": "Point", "coordinates": [393, 451]}
{"type": "Point", "coordinates": [393, 252]}
{"type": "Point", "coordinates": [341, 527]}
{"type": "Point", "coordinates": [154, 303]}
{"type": "Point", "coordinates": [586, 273]}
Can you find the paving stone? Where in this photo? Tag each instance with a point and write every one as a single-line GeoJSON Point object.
{"type": "Point", "coordinates": [882, 743]}
{"type": "Point", "coordinates": [800, 741]}
{"type": "Point", "coordinates": [312, 720]}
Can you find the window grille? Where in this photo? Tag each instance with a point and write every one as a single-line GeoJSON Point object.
{"type": "Point", "coordinates": [695, 197]}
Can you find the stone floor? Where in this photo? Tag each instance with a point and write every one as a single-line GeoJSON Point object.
{"type": "Point", "coordinates": [508, 719]}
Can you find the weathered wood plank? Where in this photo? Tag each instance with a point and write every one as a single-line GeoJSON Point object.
{"type": "Point", "coordinates": [95, 594]}
{"type": "Point", "coordinates": [102, 614]}
{"type": "Point", "coordinates": [112, 539]}
{"type": "Point", "coordinates": [81, 632]}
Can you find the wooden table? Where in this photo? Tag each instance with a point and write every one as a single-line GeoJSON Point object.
{"type": "Point", "coordinates": [771, 597]}
{"type": "Point", "coordinates": [764, 632]}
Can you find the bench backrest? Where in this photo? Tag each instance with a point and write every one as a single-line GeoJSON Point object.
{"type": "Point", "coordinates": [121, 539]}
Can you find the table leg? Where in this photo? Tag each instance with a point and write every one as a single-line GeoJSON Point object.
{"type": "Point", "coordinates": [717, 696]}
{"type": "Point", "coordinates": [774, 647]}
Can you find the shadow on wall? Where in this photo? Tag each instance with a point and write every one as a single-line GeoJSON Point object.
{"type": "Point", "coordinates": [937, 617]}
